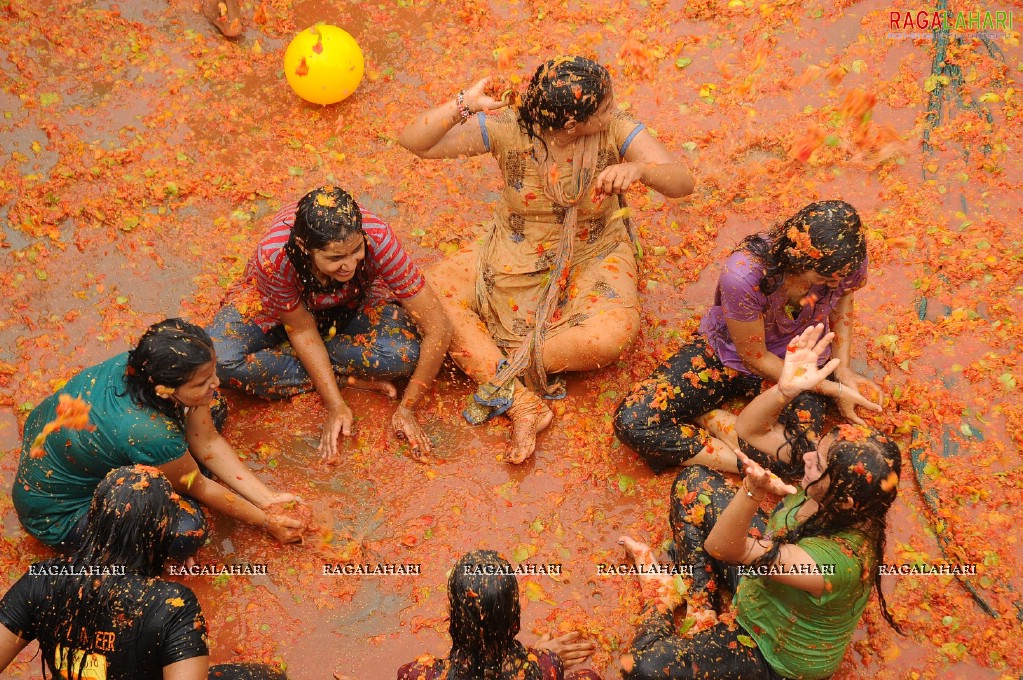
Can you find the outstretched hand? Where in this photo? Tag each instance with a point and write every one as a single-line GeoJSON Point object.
{"type": "Point", "coordinates": [800, 371]}
{"type": "Point", "coordinates": [572, 653]}
{"type": "Point", "coordinates": [762, 480]}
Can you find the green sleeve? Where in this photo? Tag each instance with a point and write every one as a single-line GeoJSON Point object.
{"type": "Point", "coordinates": [845, 556]}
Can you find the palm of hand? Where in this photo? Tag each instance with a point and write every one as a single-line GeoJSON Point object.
{"type": "Point", "coordinates": [800, 371]}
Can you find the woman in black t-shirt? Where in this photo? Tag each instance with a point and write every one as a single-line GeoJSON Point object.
{"type": "Point", "coordinates": [105, 612]}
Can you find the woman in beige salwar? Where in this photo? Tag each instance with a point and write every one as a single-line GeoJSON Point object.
{"type": "Point", "coordinates": [552, 286]}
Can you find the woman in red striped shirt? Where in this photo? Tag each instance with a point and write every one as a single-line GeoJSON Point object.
{"type": "Point", "coordinates": [325, 279]}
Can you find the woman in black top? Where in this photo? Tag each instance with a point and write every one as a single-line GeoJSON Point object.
{"type": "Point", "coordinates": [104, 612]}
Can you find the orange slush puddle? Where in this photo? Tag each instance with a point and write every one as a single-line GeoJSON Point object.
{"type": "Point", "coordinates": [143, 156]}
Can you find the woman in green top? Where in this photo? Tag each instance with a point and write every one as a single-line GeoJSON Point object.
{"type": "Point", "coordinates": [801, 578]}
{"type": "Point", "coordinates": [149, 406]}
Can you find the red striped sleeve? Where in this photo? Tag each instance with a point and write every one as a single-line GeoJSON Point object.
{"type": "Point", "coordinates": [393, 264]}
{"type": "Point", "coordinates": [273, 273]}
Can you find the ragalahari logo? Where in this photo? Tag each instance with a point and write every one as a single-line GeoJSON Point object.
{"type": "Point", "coordinates": [953, 22]}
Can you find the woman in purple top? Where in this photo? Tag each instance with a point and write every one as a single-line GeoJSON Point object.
{"type": "Point", "coordinates": [772, 287]}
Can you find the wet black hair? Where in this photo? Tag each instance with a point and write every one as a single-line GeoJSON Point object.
{"type": "Point", "coordinates": [325, 215]}
{"type": "Point", "coordinates": [483, 595]}
{"type": "Point", "coordinates": [127, 526]}
{"type": "Point", "coordinates": [168, 353]}
{"type": "Point", "coordinates": [562, 90]}
{"type": "Point", "coordinates": [863, 467]}
{"type": "Point", "coordinates": [826, 237]}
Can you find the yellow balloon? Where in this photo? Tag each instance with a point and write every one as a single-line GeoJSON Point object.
{"type": "Point", "coordinates": [323, 64]}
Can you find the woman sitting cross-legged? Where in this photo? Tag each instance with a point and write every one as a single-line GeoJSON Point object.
{"type": "Point", "coordinates": [484, 596]}
{"type": "Point", "coordinates": [772, 287]}
{"type": "Point", "coordinates": [801, 578]}
{"type": "Point", "coordinates": [329, 295]}
{"type": "Point", "coordinates": [105, 612]}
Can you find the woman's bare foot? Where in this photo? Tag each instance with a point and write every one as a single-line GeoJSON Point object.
{"type": "Point", "coordinates": [384, 387]}
{"type": "Point", "coordinates": [529, 416]}
{"type": "Point", "coordinates": [225, 15]}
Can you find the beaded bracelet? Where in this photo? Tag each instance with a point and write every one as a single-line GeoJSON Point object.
{"type": "Point", "coordinates": [463, 110]}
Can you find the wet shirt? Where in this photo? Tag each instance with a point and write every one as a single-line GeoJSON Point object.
{"type": "Point", "coordinates": [150, 624]}
{"type": "Point", "coordinates": [271, 278]}
{"type": "Point", "coordinates": [738, 298]}
{"type": "Point", "coordinates": [52, 492]}
{"type": "Point", "coordinates": [427, 667]}
{"type": "Point", "coordinates": [800, 635]}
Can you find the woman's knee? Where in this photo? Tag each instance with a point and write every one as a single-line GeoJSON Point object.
{"type": "Point", "coordinates": [622, 328]}
{"type": "Point", "coordinates": [395, 357]}
{"type": "Point", "coordinates": [663, 659]}
{"type": "Point", "coordinates": [598, 342]}
{"type": "Point", "coordinates": [696, 478]}
{"type": "Point", "coordinates": [454, 278]}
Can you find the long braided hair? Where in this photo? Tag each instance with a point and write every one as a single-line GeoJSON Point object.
{"type": "Point", "coordinates": [825, 236]}
{"type": "Point", "coordinates": [324, 215]}
{"type": "Point", "coordinates": [127, 526]}
{"type": "Point", "coordinates": [484, 600]}
{"type": "Point", "coordinates": [562, 90]}
{"type": "Point", "coordinates": [863, 467]}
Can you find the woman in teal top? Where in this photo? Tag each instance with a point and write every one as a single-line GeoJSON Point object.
{"type": "Point", "coordinates": [149, 406]}
{"type": "Point", "coordinates": [802, 577]}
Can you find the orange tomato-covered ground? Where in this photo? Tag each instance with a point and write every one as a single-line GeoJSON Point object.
{"type": "Point", "coordinates": [141, 155]}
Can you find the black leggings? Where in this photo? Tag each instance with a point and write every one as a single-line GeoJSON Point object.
{"type": "Point", "coordinates": [716, 652]}
{"type": "Point", "coordinates": [658, 419]}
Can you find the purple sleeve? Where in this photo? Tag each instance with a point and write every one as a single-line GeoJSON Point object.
{"type": "Point", "coordinates": [853, 282]}
{"type": "Point", "coordinates": [550, 664]}
{"type": "Point", "coordinates": [739, 288]}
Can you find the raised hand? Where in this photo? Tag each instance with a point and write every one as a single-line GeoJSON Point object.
{"type": "Point", "coordinates": [800, 371]}
{"type": "Point", "coordinates": [476, 98]}
{"type": "Point", "coordinates": [760, 480]}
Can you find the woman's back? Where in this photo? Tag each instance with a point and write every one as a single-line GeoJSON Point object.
{"type": "Point", "coordinates": [796, 632]}
{"type": "Point", "coordinates": [50, 492]}
{"type": "Point", "coordinates": [147, 623]}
